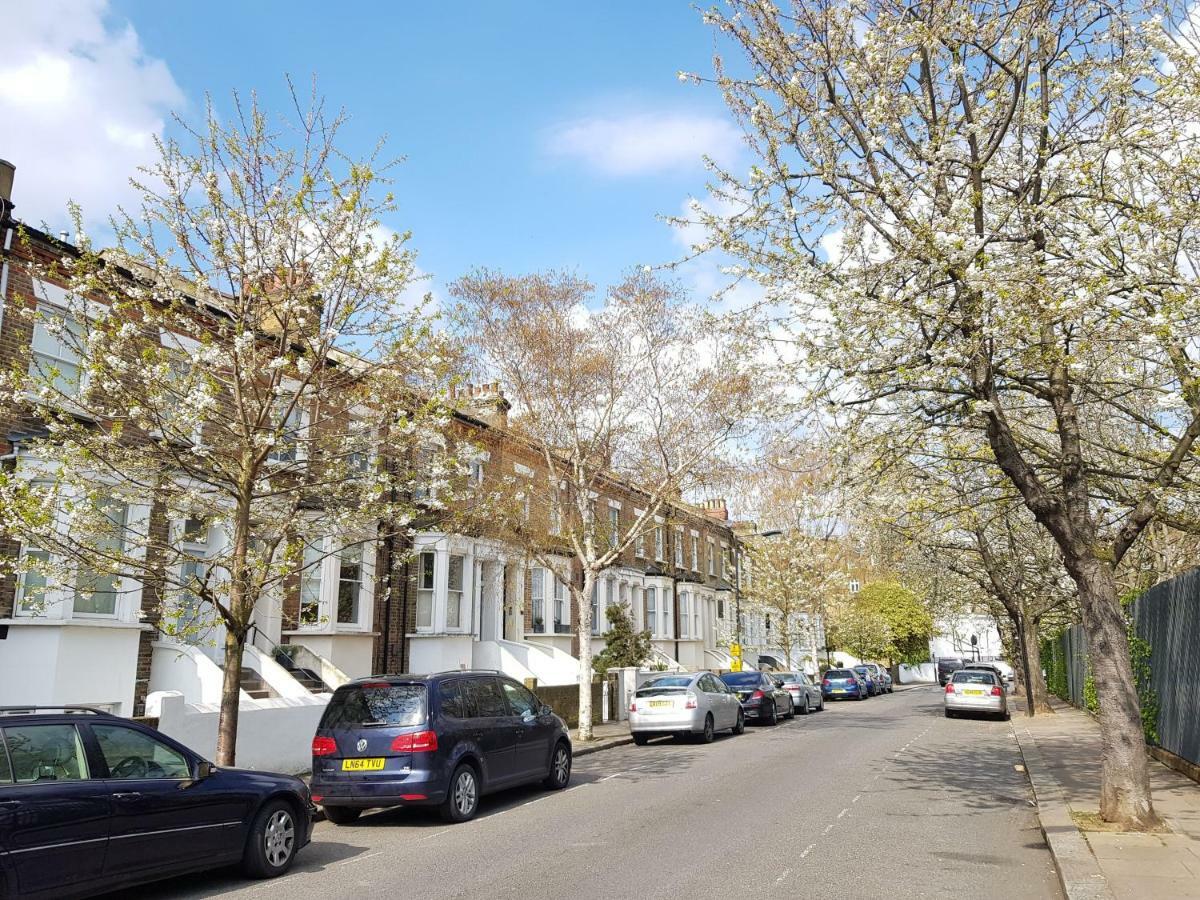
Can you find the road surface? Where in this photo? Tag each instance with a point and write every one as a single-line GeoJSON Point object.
{"type": "Point", "coordinates": [880, 799]}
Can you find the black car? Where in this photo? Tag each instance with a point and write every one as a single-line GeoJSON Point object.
{"type": "Point", "coordinates": [90, 802]}
{"type": "Point", "coordinates": [433, 740]}
{"type": "Point", "coordinates": [762, 698]}
{"type": "Point", "coordinates": [947, 666]}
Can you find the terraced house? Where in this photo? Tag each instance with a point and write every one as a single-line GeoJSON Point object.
{"type": "Point", "coordinates": [457, 593]}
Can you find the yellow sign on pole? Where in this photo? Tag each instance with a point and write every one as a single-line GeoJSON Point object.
{"type": "Point", "coordinates": [735, 650]}
{"type": "Point", "coordinates": [735, 665]}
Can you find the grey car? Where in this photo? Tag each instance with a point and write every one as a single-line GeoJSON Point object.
{"type": "Point", "coordinates": [973, 691]}
{"type": "Point", "coordinates": [683, 704]}
{"type": "Point", "coordinates": [806, 696]}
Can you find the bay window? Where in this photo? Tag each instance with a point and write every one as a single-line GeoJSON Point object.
{"type": "Point", "coordinates": [561, 622]}
{"type": "Point", "coordinates": [310, 584]}
{"type": "Point", "coordinates": [350, 583]}
{"type": "Point", "coordinates": [455, 594]}
{"type": "Point", "coordinates": [425, 568]}
{"type": "Point", "coordinates": [537, 599]}
{"type": "Point", "coordinates": [652, 610]}
{"type": "Point", "coordinates": [95, 591]}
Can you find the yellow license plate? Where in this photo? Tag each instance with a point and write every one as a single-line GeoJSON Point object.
{"type": "Point", "coordinates": [656, 704]}
{"type": "Point", "coordinates": [977, 693]}
{"type": "Point", "coordinates": [362, 765]}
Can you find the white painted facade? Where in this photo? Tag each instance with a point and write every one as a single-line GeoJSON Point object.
{"type": "Point", "coordinates": [953, 638]}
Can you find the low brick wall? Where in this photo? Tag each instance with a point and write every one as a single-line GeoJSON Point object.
{"type": "Point", "coordinates": [564, 700]}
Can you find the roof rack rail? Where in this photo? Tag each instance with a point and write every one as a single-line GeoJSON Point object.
{"type": "Point", "coordinates": [65, 707]}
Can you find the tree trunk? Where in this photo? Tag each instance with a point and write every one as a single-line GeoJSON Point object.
{"type": "Point", "coordinates": [231, 691]}
{"type": "Point", "coordinates": [583, 626]}
{"type": "Point", "coordinates": [1124, 777]}
{"type": "Point", "coordinates": [1037, 696]}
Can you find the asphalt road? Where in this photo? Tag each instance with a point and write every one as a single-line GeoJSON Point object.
{"type": "Point", "coordinates": [880, 799]}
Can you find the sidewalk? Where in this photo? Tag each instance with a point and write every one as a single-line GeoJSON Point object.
{"type": "Point", "coordinates": [1062, 754]}
{"type": "Point", "coordinates": [609, 734]}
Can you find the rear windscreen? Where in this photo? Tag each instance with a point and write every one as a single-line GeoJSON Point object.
{"type": "Point", "coordinates": [365, 705]}
{"type": "Point", "coordinates": [974, 676]}
{"type": "Point", "coordinates": [741, 678]}
{"type": "Point", "coordinates": [839, 673]}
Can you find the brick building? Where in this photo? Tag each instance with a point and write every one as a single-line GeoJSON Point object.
{"type": "Point", "coordinates": [447, 598]}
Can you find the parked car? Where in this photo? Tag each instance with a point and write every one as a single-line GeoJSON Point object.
{"type": "Point", "coordinates": [987, 667]}
{"type": "Point", "coordinates": [761, 698]}
{"type": "Point", "coordinates": [947, 666]}
{"type": "Point", "coordinates": [840, 684]}
{"type": "Point", "coordinates": [684, 704]}
{"type": "Point", "coordinates": [90, 802]}
{"type": "Point", "coordinates": [883, 680]}
{"type": "Point", "coordinates": [439, 740]}
{"type": "Point", "coordinates": [975, 691]}
{"type": "Point", "coordinates": [874, 688]}
{"type": "Point", "coordinates": [806, 696]}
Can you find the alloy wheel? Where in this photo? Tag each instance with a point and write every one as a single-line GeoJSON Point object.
{"type": "Point", "coordinates": [465, 793]}
{"type": "Point", "coordinates": [562, 765]}
{"type": "Point", "coordinates": [279, 838]}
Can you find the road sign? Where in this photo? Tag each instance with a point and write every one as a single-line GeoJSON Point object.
{"type": "Point", "coordinates": [735, 650]}
{"type": "Point", "coordinates": [735, 665]}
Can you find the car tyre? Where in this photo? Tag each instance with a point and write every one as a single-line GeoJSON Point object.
{"type": "Point", "coordinates": [462, 797]}
{"type": "Point", "coordinates": [949, 714]}
{"type": "Point", "coordinates": [740, 726]}
{"type": "Point", "coordinates": [707, 735]}
{"type": "Point", "coordinates": [341, 815]}
{"type": "Point", "coordinates": [821, 705]}
{"type": "Point", "coordinates": [560, 768]}
{"type": "Point", "coordinates": [273, 841]}
{"type": "Point", "coordinates": [641, 739]}
{"type": "Point", "coordinates": [807, 707]}
{"type": "Point", "coordinates": [774, 720]}
{"type": "Point", "coordinates": [791, 713]}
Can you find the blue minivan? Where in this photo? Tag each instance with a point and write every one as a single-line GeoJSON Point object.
{"type": "Point", "coordinates": [439, 740]}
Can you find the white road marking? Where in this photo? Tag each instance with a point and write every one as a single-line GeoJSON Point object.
{"type": "Point", "coordinates": [807, 850]}
{"type": "Point", "coordinates": [355, 859]}
{"type": "Point", "coordinates": [786, 873]}
{"type": "Point", "coordinates": [843, 812]}
{"type": "Point", "coordinates": [828, 828]}
{"type": "Point", "coordinates": [857, 797]}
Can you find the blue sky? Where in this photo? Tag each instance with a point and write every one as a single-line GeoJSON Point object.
{"type": "Point", "coordinates": [537, 135]}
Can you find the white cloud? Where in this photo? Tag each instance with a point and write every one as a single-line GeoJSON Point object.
{"type": "Point", "coordinates": [81, 104]}
{"type": "Point", "coordinates": [645, 143]}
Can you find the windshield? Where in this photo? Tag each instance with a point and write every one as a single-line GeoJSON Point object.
{"type": "Point", "coordinates": [974, 676]}
{"type": "Point", "coordinates": [359, 705]}
{"type": "Point", "coordinates": [788, 677]}
{"type": "Point", "coordinates": [740, 678]}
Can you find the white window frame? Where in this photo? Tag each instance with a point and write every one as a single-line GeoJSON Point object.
{"type": "Point", "coordinates": [537, 595]}
{"type": "Point", "coordinates": [712, 557]}
{"type": "Point", "coordinates": [650, 592]}
{"type": "Point", "coordinates": [678, 547]}
{"type": "Point", "coordinates": [695, 551]}
{"type": "Point", "coordinates": [423, 588]}
{"type": "Point", "coordinates": [614, 524]}
{"type": "Point", "coordinates": [639, 544]}
{"type": "Point", "coordinates": [660, 540]}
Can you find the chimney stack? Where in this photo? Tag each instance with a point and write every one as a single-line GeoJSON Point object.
{"type": "Point", "coordinates": [716, 509]}
{"type": "Point", "coordinates": [485, 402]}
{"type": "Point", "coordinates": [8, 173]}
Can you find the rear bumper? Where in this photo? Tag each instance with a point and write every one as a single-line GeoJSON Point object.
{"type": "Point", "coordinates": [418, 788]}
{"type": "Point", "coordinates": [666, 722]}
{"type": "Point", "coordinates": [975, 704]}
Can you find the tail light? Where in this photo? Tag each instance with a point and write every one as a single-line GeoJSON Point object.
{"type": "Point", "coordinates": [323, 746]}
{"type": "Point", "coordinates": [317, 798]}
{"type": "Point", "coordinates": [633, 706]}
{"type": "Point", "coordinates": [421, 742]}
{"type": "Point", "coordinates": [824, 682]}
{"type": "Point", "coordinates": [950, 687]}
{"type": "Point", "coordinates": [996, 692]}
{"type": "Point", "coordinates": [757, 695]}
{"type": "Point", "coordinates": [691, 701]}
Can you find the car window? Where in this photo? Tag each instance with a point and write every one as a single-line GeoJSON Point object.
{"type": "Point", "coordinates": [489, 702]}
{"type": "Point", "coordinates": [670, 681]}
{"type": "Point", "coordinates": [45, 753]}
{"type": "Point", "coordinates": [375, 703]}
{"type": "Point", "coordinates": [839, 673]}
{"type": "Point", "coordinates": [5, 768]}
{"type": "Point", "coordinates": [974, 676]}
{"type": "Point", "coordinates": [521, 701]}
{"type": "Point", "coordinates": [453, 700]}
{"type": "Point", "coordinates": [742, 679]}
{"type": "Point", "coordinates": [130, 753]}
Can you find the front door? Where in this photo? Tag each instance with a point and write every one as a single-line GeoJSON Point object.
{"type": "Point", "coordinates": [534, 731]}
{"type": "Point", "coordinates": [54, 817]}
{"type": "Point", "coordinates": [162, 818]}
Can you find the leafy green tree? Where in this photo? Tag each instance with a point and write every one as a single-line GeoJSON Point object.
{"type": "Point", "coordinates": [623, 646]}
{"type": "Point", "coordinates": [906, 621]}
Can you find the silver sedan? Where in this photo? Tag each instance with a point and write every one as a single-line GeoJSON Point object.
{"type": "Point", "coordinates": [684, 703]}
{"type": "Point", "coordinates": [976, 691]}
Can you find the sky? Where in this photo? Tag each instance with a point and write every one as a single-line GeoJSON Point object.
{"type": "Point", "coordinates": [536, 135]}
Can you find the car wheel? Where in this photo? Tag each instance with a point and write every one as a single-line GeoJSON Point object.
{"type": "Point", "coordinates": [462, 799]}
{"type": "Point", "coordinates": [706, 736]}
{"type": "Point", "coordinates": [774, 720]}
{"type": "Point", "coordinates": [806, 707]}
{"type": "Point", "coordinates": [271, 846]}
{"type": "Point", "coordinates": [740, 726]}
{"type": "Point", "coordinates": [341, 815]}
{"type": "Point", "coordinates": [641, 739]}
{"type": "Point", "coordinates": [791, 713]}
{"type": "Point", "coordinates": [949, 714]}
{"type": "Point", "coordinates": [821, 705]}
{"type": "Point", "coordinates": [560, 768]}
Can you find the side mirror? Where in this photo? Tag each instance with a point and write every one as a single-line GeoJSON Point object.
{"type": "Point", "coordinates": [545, 711]}
{"type": "Point", "coordinates": [203, 769]}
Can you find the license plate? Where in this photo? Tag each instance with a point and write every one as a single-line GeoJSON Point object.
{"type": "Point", "coordinates": [974, 693]}
{"type": "Point", "coordinates": [362, 765]}
{"type": "Point", "coordinates": [839, 690]}
{"type": "Point", "coordinates": [659, 704]}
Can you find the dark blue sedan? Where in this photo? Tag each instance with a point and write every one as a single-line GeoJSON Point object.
{"type": "Point", "coordinates": [90, 802]}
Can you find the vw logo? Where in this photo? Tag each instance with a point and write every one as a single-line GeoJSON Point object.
{"type": "Point", "coordinates": [361, 745]}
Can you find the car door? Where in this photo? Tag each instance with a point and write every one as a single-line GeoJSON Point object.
{"type": "Point", "coordinates": [54, 817]}
{"type": "Point", "coordinates": [162, 818]}
{"type": "Point", "coordinates": [494, 729]}
{"type": "Point", "coordinates": [531, 750]}
{"type": "Point", "coordinates": [725, 706]}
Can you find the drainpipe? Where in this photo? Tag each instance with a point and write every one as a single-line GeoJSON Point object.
{"type": "Point", "coordinates": [675, 611]}
{"type": "Point", "coordinates": [7, 174]}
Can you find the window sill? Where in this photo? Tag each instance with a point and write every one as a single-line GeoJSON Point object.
{"type": "Point", "coordinates": [77, 623]}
